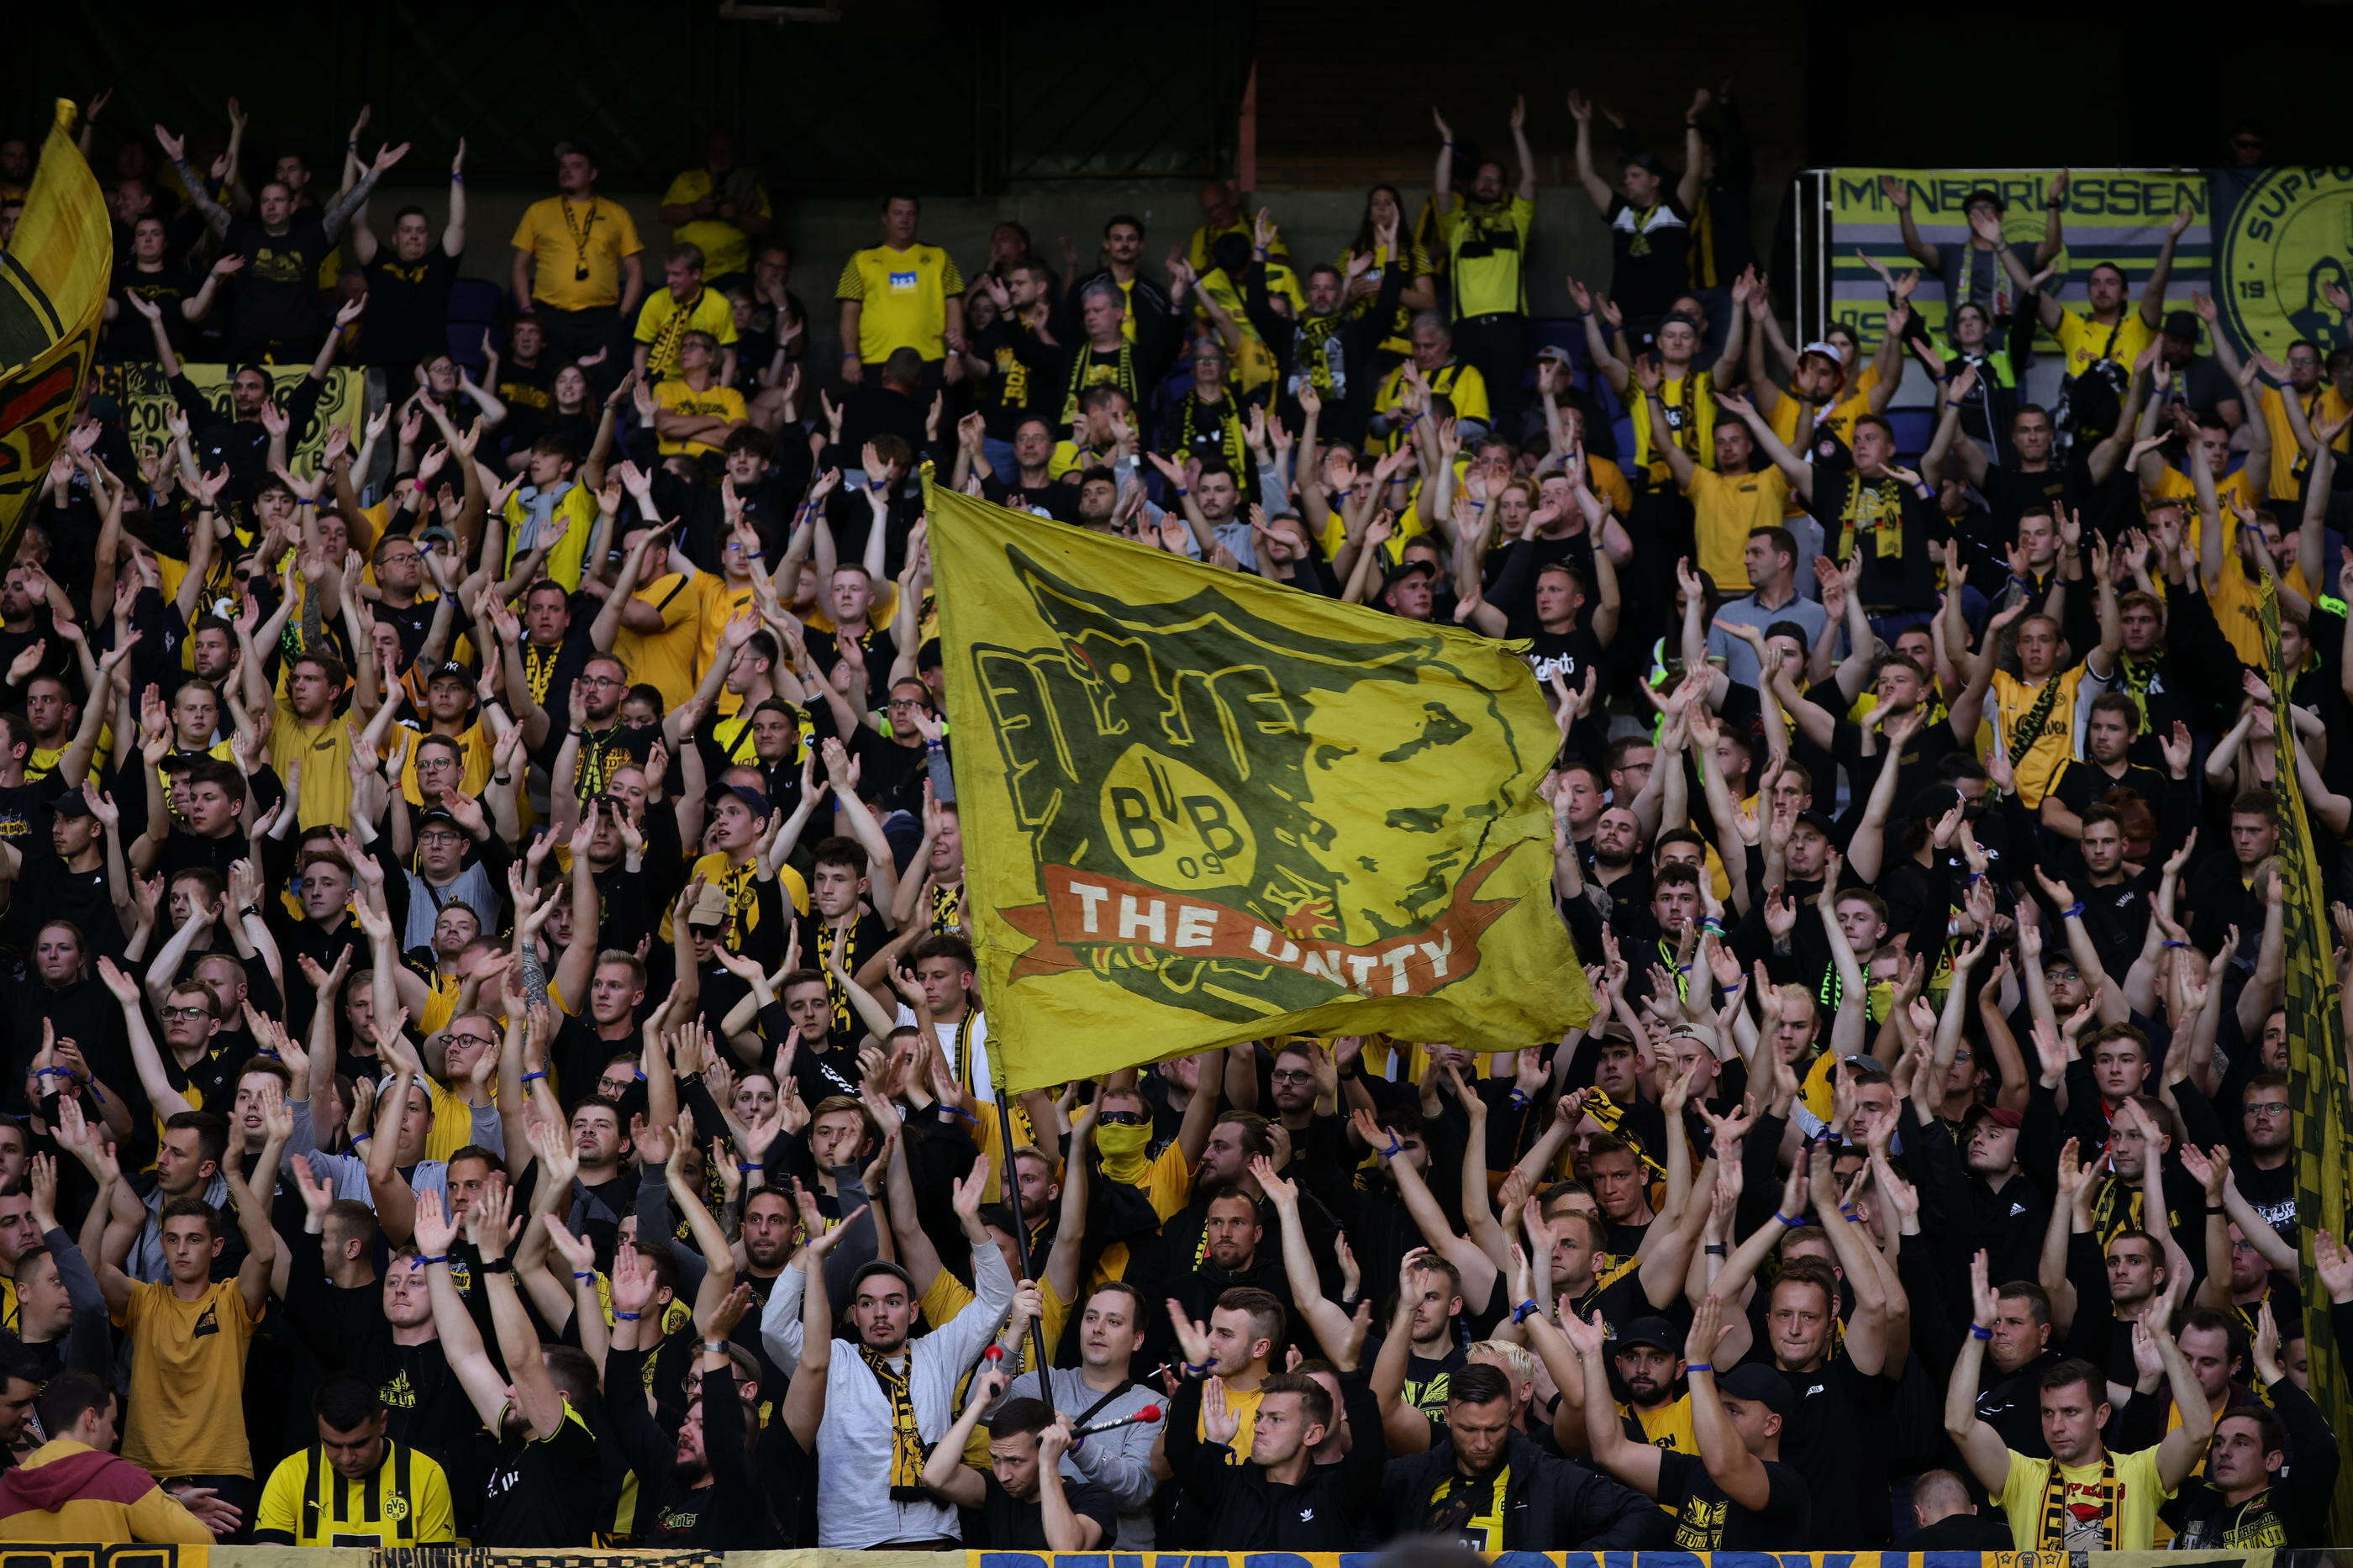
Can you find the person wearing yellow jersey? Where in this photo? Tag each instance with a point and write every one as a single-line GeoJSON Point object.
{"type": "Point", "coordinates": [1435, 365]}
{"type": "Point", "coordinates": [1485, 234]}
{"type": "Point", "coordinates": [2111, 333]}
{"type": "Point", "coordinates": [578, 264]}
{"type": "Point", "coordinates": [354, 1486]}
{"type": "Point", "coordinates": [1820, 379]}
{"type": "Point", "coordinates": [899, 294]}
{"type": "Point", "coordinates": [2083, 1498]}
{"type": "Point", "coordinates": [695, 414]}
{"type": "Point", "coordinates": [719, 208]}
{"type": "Point", "coordinates": [1731, 499]}
{"type": "Point", "coordinates": [1222, 214]}
{"type": "Point", "coordinates": [309, 731]}
{"type": "Point", "coordinates": [2037, 712]}
{"type": "Point", "coordinates": [664, 600]}
{"type": "Point", "coordinates": [684, 304]}
{"type": "Point", "coordinates": [1670, 399]}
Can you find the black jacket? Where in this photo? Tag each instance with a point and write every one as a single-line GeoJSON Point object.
{"type": "Point", "coordinates": [1554, 1504]}
{"type": "Point", "coordinates": [1242, 1511]}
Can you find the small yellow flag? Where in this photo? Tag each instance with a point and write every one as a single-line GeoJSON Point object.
{"type": "Point", "coordinates": [53, 283]}
{"type": "Point", "coordinates": [1201, 808]}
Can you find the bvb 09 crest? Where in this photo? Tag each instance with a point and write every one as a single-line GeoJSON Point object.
{"type": "Point", "coordinates": [2289, 240]}
{"type": "Point", "coordinates": [1240, 818]}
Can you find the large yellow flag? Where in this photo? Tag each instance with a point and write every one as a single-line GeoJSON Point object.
{"type": "Point", "coordinates": [53, 282]}
{"type": "Point", "coordinates": [1199, 809]}
{"type": "Point", "coordinates": [2317, 1082]}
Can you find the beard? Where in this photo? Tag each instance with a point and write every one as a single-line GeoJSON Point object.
{"type": "Point", "coordinates": [688, 1472]}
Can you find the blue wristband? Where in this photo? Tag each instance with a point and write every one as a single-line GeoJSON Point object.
{"type": "Point", "coordinates": [530, 1075]}
{"type": "Point", "coordinates": [1691, 1367]}
{"type": "Point", "coordinates": [1393, 1150]}
{"type": "Point", "coordinates": [1784, 1219]}
{"type": "Point", "coordinates": [628, 1317]}
{"type": "Point", "coordinates": [362, 1137]}
{"type": "Point", "coordinates": [1980, 1333]}
{"type": "Point", "coordinates": [429, 1262]}
{"type": "Point", "coordinates": [2073, 911]}
{"type": "Point", "coordinates": [583, 1273]}
{"type": "Point", "coordinates": [1524, 1311]}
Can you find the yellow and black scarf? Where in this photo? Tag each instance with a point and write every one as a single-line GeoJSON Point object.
{"type": "Point", "coordinates": [906, 1436]}
{"type": "Point", "coordinates": [2060, 1518]}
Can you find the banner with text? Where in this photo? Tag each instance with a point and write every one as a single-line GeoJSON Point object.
{"type": "Point", "coordinates": [2259, 1559]}
{"type": "Point", "coordinates": [1215, 809]}
{"type": "Point", "coordinates": [2116, 216]}
{"type": "Point", "coordinates": [145, 396]}
{"type": "Point", "coordinates": [2283, 256]}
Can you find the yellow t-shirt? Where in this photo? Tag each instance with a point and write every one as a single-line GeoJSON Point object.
{"type": "Point", "coordinates": [1689, 402]}
{"type": "Point", "coordinates": [375, 1511]}
{"type": "Point", "coordinates": [576, 248]}
{"type": "Point", "coordinates": [902, 299]}
{"type": "Point", "coordinates": [741, 883]}
{"type": "Point", "coordinates": [713, 402]}
{"type": "Point", "coordinates": [474, 760]}
{"type": "Point", "coordinates": [2034, 766]}
{"type": "Point", "coordinates": [1243, 1403]}
{"type": "Point", "coordinates": [186, 1407]}
{"type": "Point", "coordinates": [2139, 1491]}
{"type": "Point", "coordinates": [662, 321]}
{"type": "Point", "coordinates": [2172, 484]}
{"type": "Point", "coordinates": [725, 248]}
{"type": "Point", "coordinates": [1462, 385]}
{"type": "Point", "coordinates": [2086, 341]}
{"type": "Point", "coordinates": [1724, 508]}
{"type": "Point", "coordinates": [665, 659]}
{"type": "Point", "coordinates": [577, 507]}
{"type": "Point", "coordinates": [1668, 1426]}
{"type": "Point", "coordinates": [325, 751]}
{"type": "Point", "coordinates": [2325, 406]}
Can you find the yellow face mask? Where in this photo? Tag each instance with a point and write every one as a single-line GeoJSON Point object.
{"type": "Point", "coordinates": [1123, 1141]}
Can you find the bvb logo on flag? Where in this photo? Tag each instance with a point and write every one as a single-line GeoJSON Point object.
{"type": "Point", "coordinates": [1202, 808]}
{"type": "Point", "coordinates": [1184, 817]}
{"type": "Point", "coordinates": [2289, 238]}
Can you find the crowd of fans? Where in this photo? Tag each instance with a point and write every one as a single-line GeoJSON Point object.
{"type": "Point", "coordinates": [495, 1051]}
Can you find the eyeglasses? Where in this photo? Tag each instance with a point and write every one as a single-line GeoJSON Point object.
{"type": "Point", "coordinates": [471, 1040]}
{"type": "Point", "coordinates": [1122, 1118]}
{"type": "Point", "coordinates": [1283, 1075]}
{"type": "Point", "coordinates": [2266, 1108]}
{"type": "Point", "coordinates": [187, 1012]}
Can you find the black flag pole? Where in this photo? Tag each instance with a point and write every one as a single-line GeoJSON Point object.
{"type": "Point", "coordinates": [1011, 1179]}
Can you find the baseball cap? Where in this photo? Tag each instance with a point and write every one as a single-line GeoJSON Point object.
{"type": "Point", "coordinates": [711, 907]}
{"type": "Point", "coordinates": [1929, 805]}
{"type": "Point", "coordinates": [437, 534]}
{"type": "Point", "coordinates": [2002, 1115]}
{"type": "Point", "coordinates": [1405, 569]}
{"type": "Point", "coordinates": [881, 1266]}
{"type": "Point", "coordinates": [451, 670]}
{"type": "Point", "coordinates": [2181, 324]}
{"type": "Point", "coordinates": [1821, 346]}
{"type": "Point", "coordinates": [1653, 1332]}
{"type": "Point", "coordinates": [436, 813]}
{"type": "Point", "coordinates": [1819, 823]}
{"type": "Point", "coordinates": [71, 804]}
{"type": "Point", "coordinates": [744, 792]}
{"type": "Point", "coordinates": [1759, 1383]}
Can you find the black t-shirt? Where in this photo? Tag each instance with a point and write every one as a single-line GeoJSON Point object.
{"type": "Point", "coordinates": [891, 775]}
{"type": "Point", "coordinates": [2081, 785]}
{"type": "Point", "coordinates": [408, 308]}
{"type": "Point", "coordinates": [128, 336]}
{"type": "Point", "coordinates": [1707, 1520]}
{"type": "Point", "coordinates": [1008, 1524]}
{"type": "Point", "coordinates": [2010, 493]}
{"type": "Point", "coordinates": [277, 295]}
{"type": "Point", "coordinates": [1835, 1436]}
{"type": "Point", "coordinates": [543, 1494]}
{"type": "Point", "coordinates": [1055, 499]}
{"type": "Point", "coordinates": [1425, 1381]}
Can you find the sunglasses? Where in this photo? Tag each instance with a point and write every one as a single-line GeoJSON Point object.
{"type": "Point", "coordinates": [1123, 1118]}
